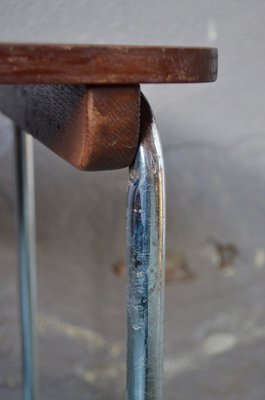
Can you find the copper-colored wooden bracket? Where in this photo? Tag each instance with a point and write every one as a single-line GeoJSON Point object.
{"type": "Point", "coordinates": [92, 127]}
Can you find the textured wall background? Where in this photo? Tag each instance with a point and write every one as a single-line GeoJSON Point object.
{"type": "Point", "coordinates": [213, 137]}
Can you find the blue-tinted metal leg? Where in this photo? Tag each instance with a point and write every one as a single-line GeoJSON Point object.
{"type": "Point", "coordinates": [145, 280]}
{"type": "Point", "coordinates": [27, 261]}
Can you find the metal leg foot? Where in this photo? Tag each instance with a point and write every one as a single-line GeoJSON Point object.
{"type": "Point", "coordinates": [145, 280]}
{"type": "Point", "coordinates": [27, 261]}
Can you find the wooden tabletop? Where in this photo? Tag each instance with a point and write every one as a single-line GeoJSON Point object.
{"type": "Point", "coordinates": [101, 64]}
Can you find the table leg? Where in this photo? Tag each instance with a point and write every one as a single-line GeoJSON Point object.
{"type": "Point", "coordinates": [145, 277]}
{"type": "Point", "coordinates": [27, 261]}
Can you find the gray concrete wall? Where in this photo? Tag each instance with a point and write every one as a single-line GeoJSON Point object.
{"type": "Point", "coordinates": [213, 139]}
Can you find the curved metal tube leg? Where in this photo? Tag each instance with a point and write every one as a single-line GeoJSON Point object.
{"type": "Point", "coordinates": [145, 278]}
{"type": "Point", "coordinates": [27, 260]}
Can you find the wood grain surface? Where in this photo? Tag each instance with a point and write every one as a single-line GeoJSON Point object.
{"type": "Point", "coordinates": [101, 64]}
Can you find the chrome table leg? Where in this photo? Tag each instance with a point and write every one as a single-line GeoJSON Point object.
{"type": "Point", "coordinates": [145, 276]}
{"type": "Point", "coordinates": [27, 260]}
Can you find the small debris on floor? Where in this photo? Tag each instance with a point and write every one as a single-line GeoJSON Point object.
{"type": "Point", "coordinates": [177, 267]}
{"type": "Point", "coordinates": [226, 253]}
{"type": "Point", "coordinates": [119, 269]}
{"type": "Point", "coordinates": [9, 382]}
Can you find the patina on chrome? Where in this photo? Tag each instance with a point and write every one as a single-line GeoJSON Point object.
{"type": "Point", "coordinates": [145, 280]}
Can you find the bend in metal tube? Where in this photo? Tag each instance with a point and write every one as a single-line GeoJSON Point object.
{"type": "Point", "coordinates": [145, 277]}
{"type": "Point", "coordinates": [27, 261]}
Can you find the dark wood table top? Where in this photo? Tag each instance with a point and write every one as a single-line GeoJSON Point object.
{"type": "Point", "coordinates": [102, 64]}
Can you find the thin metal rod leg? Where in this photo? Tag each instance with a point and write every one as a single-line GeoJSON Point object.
{"type": "Point", "coordinates": [27, 261]}
{"type": "Point", "coordinates": [145, 276]}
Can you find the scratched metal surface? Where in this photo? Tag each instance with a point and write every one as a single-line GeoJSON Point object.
{"type": "Point", "coordinates": [213, 137]}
